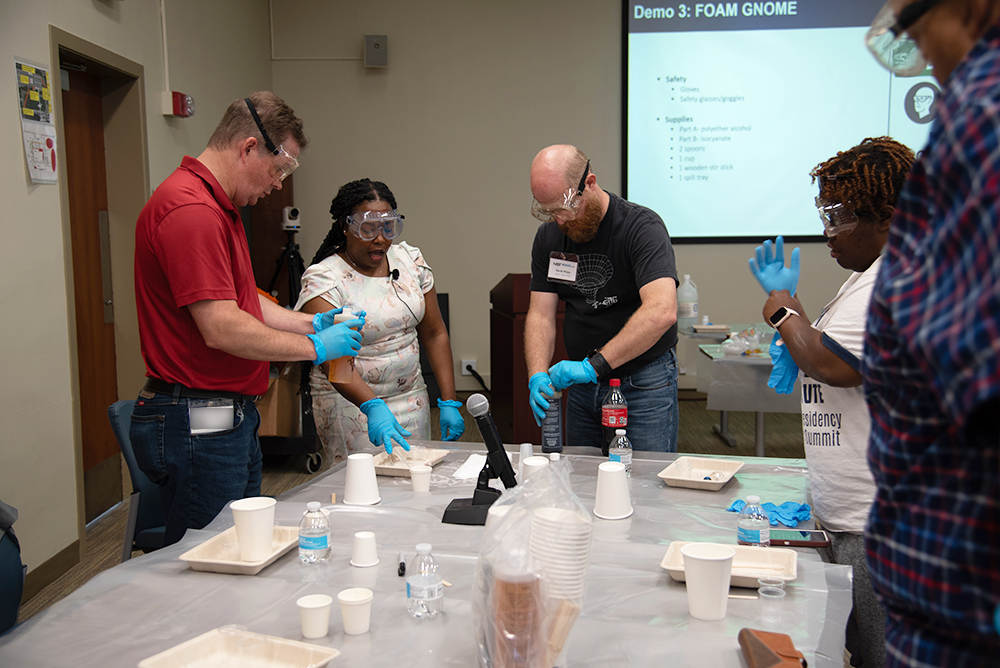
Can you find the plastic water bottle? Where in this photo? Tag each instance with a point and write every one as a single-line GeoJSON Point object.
{"type": "Point", "coordinates": [621, 450]}
{"type": "Point", "coordinates": [614, 413]}
{"type": "Point", "coordinates": [424, 588]}
{"type": "Point", "coordinates": [753, 526]}
{"type": "Point", "coordinates": [552, 437]}
{"type": "Point", "coordinates": [314, 535]}
{"type": "Point", "coordinates": [687, 304]}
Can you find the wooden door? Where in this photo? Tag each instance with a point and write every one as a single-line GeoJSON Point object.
{"type": "Point", "coordinates": [83, 119]}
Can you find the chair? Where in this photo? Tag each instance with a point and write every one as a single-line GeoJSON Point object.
{"type": "Point", "coordinates": [11, 582]}
{"type": "Point", "coordinates": [145, 528]}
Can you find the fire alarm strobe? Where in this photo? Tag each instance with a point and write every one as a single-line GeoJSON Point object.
{"type": "Point", "coordinates": [181, 104]}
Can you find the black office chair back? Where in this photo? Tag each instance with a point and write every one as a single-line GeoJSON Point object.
{"type": "Point", "coordinates": [11, 582]}
{"type": "Point", "coordinates": [145, 527]}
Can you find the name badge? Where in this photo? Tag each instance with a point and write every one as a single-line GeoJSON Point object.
{"type": "Point", "coordinates": [208, 416]}
{"type": "Point", "coordinates": [562, 267]}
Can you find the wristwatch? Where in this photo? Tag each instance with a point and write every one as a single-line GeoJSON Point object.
{"type": "Point", "coordinates": [600, 364]}
{"type": "Point", "coordinates": [781, 315]}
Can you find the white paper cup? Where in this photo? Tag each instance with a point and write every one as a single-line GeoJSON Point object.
{"type": "Point", "coordinates": [356, 608]}
{"type": "Point", "coordinates": [314, 611]}
{"type": "Point", "coordinates": [254, 518]}
{"type": "Point", "coordinates": [613, 501]}
{"type": "Point", "coordinates": [707, 567]}
{"type": "Point", "coordinates": [772, 600]}
{"type": "Point", "coordinates": [362, 487]}
{"type": "Point", "coordinates": [533, 465]}
{"type": "Point", "coordinates": [365, 553]}
{"type": "Point", "coordinates": [420, 476]}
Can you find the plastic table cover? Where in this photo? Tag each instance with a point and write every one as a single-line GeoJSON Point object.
{"type": "Point", "coordinates": [739, 383]}
{"type": "Point", "coordinates": [634, 614]}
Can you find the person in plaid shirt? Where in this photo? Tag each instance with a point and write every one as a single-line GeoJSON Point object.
{"type": "Point", "coordinates": [932, 353]}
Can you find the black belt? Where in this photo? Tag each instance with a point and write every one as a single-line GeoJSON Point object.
{"type": "Point", "coordinates": [178, 390]}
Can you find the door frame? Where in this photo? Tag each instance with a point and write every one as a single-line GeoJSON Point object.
{"type": "Point", "coordinates": [127, 168]}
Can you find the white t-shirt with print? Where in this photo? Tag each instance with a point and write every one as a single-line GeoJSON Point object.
{"type": "Point", "coordinates": [835, 420]}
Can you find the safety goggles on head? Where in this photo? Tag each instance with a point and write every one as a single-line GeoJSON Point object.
{"type": "Point", "coordinates": [284, 162]}
{"type": "Point", "coordinates": [566, 205]}
{"type": "Point", "coordinates": [889, 43]}
{"type": "Point", "coordinates": [366, 225]}
{"type": "Point", "coordinates": [838, 218]}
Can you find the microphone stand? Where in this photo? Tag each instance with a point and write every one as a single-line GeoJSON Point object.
{"type": "Point", "coordinates": [472, 512]}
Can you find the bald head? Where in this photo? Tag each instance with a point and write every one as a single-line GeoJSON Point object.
{"type": "Point", "coordinates": [555, 169]}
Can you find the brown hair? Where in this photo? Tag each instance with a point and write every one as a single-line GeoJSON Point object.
{"type": "Point", "coordinates": [278, 119]}
{"type": "Point", "coordinates": [868, 176]}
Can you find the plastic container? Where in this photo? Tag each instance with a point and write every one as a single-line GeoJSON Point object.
{"type": "Point", "coordinates": [621, 450]}
{"type": "Point", "coordinates": [687, 304]}
{"type": "Point", "coordinates": [314, 535]}
{"type": "Point", "coordinates": [614, 413]}
{"type": "Point", "coordinates": [342, 368]}
{"type": "Point", "coordinates": [753, 526]}
{"type": "Point", "coordinates": [424, 586]}
{"type": "Point", "coordinates": [552, 436]}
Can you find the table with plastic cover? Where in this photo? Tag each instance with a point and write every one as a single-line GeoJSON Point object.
{"type": "Point", "coordinates": [739, 383]}
{"type": "Point", "coordinates": [633, 613]}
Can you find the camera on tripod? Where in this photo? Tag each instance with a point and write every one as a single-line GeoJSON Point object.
{"type": "Point", "coordinates": [290, 219]}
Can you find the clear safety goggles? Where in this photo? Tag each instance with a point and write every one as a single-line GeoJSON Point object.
{"type": "Point", "coordinates": [366, 225]}
{"type": "Point", "coordinates": [284, 162]}
{"type": "Point", "coordinates": [564, 207]}
{"type": "Point", "coordinates": [889, 43]}
{"type": "Point", "coordinates": [838, 218]}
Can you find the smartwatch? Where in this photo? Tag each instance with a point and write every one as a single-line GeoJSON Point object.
{"type": "Point", "coordinates": [781, 315]}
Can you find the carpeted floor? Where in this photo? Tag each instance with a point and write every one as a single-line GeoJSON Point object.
{"type": "Point", "coordinates": [783, 438]}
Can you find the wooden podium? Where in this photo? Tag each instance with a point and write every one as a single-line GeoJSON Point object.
{"type": "Point", "coordinates": [509, 372]}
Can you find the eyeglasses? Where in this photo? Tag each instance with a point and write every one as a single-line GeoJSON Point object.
{"type": "Point", "coordinates": [888, 42]}
{"type": "Point", "coordinates": [839, 219]}
{"type": "Point", "coordinates": [566, 205]}
{"type": "Point", "coordinates": [285, 163]}
{"type": "Point", "coordinates": [366, 225]}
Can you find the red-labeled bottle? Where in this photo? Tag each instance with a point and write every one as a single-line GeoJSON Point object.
{"type": "Point", "coordinates": [614, 414]}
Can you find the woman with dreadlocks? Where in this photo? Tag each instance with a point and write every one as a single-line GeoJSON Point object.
{"type": "Point", "coordinates": [858, 189]}
{"type": "Point", "coordinates": [358, 266]}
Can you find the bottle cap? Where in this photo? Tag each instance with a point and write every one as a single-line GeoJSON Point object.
{"type": "Point", "coordinates": [313, 506]}
{"type": "Point", "coordinates": [614, 382]}
{"type": "Point", "coordinates": [753, 500]}
{"type": "Point", "coordinates": [553, 456]}
{"type": "Point", "coordinates": [620, 432]}
{"type": "Point", "coordinates": [687, 277]}
{"type": "Point", "coordinates": [423, 548]}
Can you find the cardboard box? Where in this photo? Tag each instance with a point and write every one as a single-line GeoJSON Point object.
{"type": "Point", "coordinates": [280, 413]}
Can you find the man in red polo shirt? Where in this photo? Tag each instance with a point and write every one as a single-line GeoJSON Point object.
{"type": "Point", "coordinates": [206, 334]}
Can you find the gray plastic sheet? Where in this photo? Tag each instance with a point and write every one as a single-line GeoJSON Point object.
{"type": "Point", "coordinates": [739, 383]}
{"type": "Point", "coordinates": [633, 614]}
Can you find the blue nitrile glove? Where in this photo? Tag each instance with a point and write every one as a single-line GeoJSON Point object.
{"type": "Point", "coordinates": [340, 340]}
{"type": "Point", "coordinates": [784, 371]}
{"type": "Point", "coordinates": [789, 513]}
{"type": "Point", "coordinates": [451, 421]}
{"type": "Point", "coordinates": [567, 373]}
{"type": "Point", "coordinates": [769, 267]}
{"type": "Point", "coordinates": [382, 426]}
{"type": "Point", "coordinates": [323, 320]}
{"type": "Point", "coordinates": [539, 387]}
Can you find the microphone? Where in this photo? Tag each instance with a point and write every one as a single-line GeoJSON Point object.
{"type": "Point", "coordinates": [479, 408]}
{"type": "Point", "coordinates": [394, 275]}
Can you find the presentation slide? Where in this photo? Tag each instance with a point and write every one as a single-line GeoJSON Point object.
{"type": "Point", "coordinates": [730, 105]}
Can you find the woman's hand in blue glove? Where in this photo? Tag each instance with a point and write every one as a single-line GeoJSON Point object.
{"type": "Point", "coordinates": [450, 419]}
{"type": "Point", "coordinates": [784, 371]}
{"type": "Point", "coordinates": [382, 426]}
{"type": "Point", "coordinates": [539, 387]}
{"type": "Point", "coordinates": [768, 267]}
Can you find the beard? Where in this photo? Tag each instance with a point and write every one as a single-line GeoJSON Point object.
{"type": "Point", "coordinates": [585, 225]}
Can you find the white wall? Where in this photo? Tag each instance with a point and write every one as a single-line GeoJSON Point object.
{"type": "Point", "coordinates": [473, 90]}
{"type": "Point", "coordinates": [218, 52]}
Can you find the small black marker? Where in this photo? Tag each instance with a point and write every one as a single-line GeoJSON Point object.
{"type": "Point", "coordinates": [402, 565]}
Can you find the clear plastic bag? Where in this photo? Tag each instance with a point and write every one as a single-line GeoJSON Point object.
{"type": "Point", "coordinates": [527, 592]}
{"type": "Point", "coordinates": [745, 342]}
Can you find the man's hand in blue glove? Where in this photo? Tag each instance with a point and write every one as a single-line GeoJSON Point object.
{"type": "Point", "coordinates": [768, 267]}
{"type": "Point", "coordinates": [322, 321]}
{"type": "Point", "coordinates": [336, 341]}
{"type": "Point", "coordinates": [784, 371]}
{"type": "Point", "coordinates": [452, 424]}
{"type": "Point", "coordinates": [382, 426]}
{"type": "Point", "coordinates": [567, 373]}
{"type": "Point", "coordinates": [539, 387]}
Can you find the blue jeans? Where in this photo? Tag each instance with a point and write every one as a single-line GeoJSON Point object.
{"type": "Point", "coordinates": [651, 393]}
{"type": "Point", "coordinates": [198, 474]}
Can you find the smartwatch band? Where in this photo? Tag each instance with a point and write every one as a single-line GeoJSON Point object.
{"type": "Point", "coordinates": [600, 364]}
